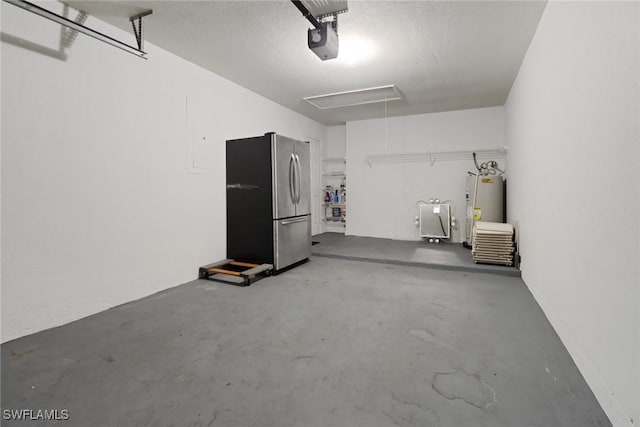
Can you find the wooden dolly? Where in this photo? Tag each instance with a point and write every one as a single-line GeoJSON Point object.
{"type": "Point", "coordinates": [241, 270]}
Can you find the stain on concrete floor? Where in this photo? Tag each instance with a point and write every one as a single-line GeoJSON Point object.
{"type": "Point", "coordinates": [469, 388]}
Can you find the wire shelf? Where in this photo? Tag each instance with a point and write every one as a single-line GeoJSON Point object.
{"type": "Point", "coordinates": [433, 156]}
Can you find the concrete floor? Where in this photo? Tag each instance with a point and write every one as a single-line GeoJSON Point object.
{"type": "Point", "coordinates": [448, 256]}
{"type": "Point", "coordinates": [329, 343]}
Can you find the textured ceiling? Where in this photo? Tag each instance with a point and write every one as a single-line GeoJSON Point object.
{"type": "Point", "coordinates": [442, 56]}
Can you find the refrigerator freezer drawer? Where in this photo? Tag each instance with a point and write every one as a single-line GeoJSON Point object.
{"type": "Point", "coordinates": [291, 240]}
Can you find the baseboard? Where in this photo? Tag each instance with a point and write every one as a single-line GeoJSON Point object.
{"type": "Point", "coordinates": [605, 396]}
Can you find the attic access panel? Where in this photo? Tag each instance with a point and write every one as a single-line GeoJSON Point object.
{"type": "Point", "coordinates": [355, 97]}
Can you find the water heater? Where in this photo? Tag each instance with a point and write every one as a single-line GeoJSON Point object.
{"type": "Point", "coordinates": [490, 200]}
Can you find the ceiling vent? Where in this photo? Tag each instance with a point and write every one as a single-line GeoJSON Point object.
{"type": "Point", "coordinates": [355, 97]}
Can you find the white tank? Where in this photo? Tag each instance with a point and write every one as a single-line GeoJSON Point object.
{"type": "Point", "coordinates": [490, 201]}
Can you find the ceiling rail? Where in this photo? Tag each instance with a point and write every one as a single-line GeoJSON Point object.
{"type": "Point", "coordinates": [30, 7]}
{"type": "Point", "coordinates": [432, 157]}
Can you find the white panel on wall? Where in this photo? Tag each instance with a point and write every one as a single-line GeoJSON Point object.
{"type": "Point", "coordinates": [383, 197]}
{"type": "Point", "coordinates": [199, 136]}
{"type": "Point", "coordinates": [577, 96]}
{"type": "Point", "coordinates": [97, 155]}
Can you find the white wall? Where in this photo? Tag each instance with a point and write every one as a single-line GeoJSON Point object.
{"type": "Point", "coordinates": [336, 146]}
{"type": "Point", "coordinates": [382, 198]}
{"type": "Point", "coordinates": [109, 192]}
{"type": "Point", "coordinates": [572, 128]}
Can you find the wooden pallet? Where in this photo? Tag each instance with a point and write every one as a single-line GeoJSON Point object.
{"type": "Point", "coordinates": [243, 272]}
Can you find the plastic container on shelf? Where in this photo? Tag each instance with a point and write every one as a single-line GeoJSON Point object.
{"type": "Point", "coordinates": [334, 186]}
{"type": "Point", "coordinates": [328, 213]}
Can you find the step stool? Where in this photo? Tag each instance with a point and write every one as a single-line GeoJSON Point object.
{"type": "Point", "coordinates": [242, 272]}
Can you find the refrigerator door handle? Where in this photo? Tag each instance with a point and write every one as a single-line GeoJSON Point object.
{"type": "Point", "coordinates": [296, 186]}
{"type": "Point", "coordinates": [298, 179]}
{"type": "Point", "coordinates": [293, 221]}
{"type": "Point", "coordinates": [292, 168]}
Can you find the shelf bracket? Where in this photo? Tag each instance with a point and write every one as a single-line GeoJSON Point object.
{"type": "Point", "coordinates": [432, 159]}
{"type": "Point", "coordinates": [137, 30]}
{"type": "Point", "coordinates": [68, 35]}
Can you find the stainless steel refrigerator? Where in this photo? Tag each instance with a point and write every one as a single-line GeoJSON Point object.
{"type": "Point", "coordinates": [268, 200]}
